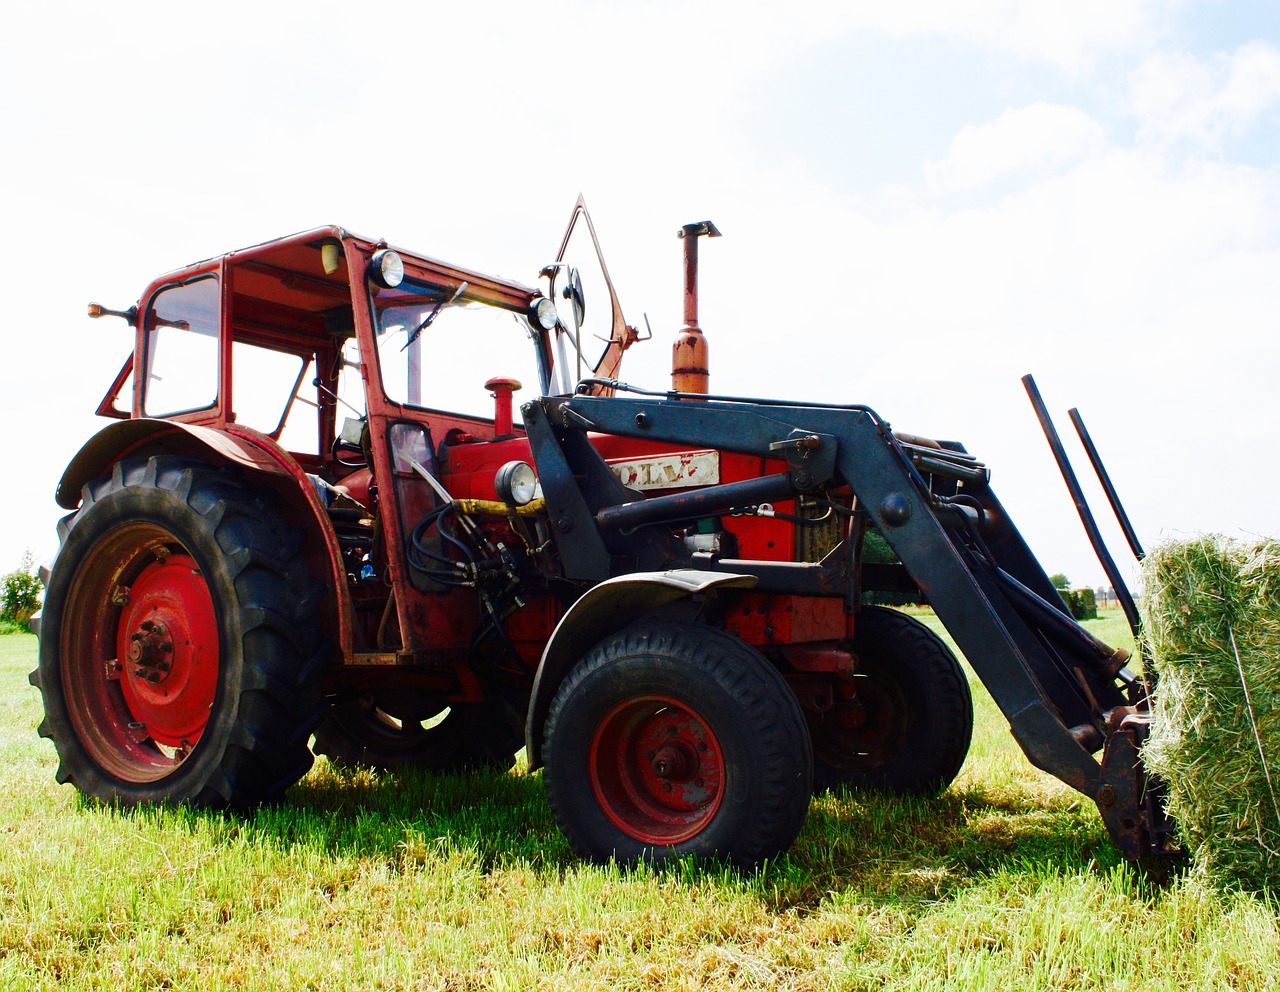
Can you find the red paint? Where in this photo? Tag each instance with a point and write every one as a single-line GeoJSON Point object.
{"type": "Point", "coordinates": [170, 692]}
{"type": "Point", "coordinates": [135, 580]}
{"type": "Point", "coordinates": [502, 388]}
{"type": "Point", "coordinates": [656, 769]}
{"type": "Point", "coordinates": [762, 619]}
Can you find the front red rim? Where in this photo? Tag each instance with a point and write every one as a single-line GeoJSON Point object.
{"type": "Point", "coordinates": [657, 770]}
{"type": "Point", "coordinates": [140, 653]}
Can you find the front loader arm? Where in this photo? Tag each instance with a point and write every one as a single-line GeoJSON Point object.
{"type": "Point", "coordinates": [1058, 687]}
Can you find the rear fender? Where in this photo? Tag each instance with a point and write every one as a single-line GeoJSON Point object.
{"type": "Point", "coordinates": [604, 609]}
{"type": "Point", "coordinates": [276, 470]}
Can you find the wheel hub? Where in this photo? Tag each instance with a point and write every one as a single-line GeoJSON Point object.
{"type": "Point", "coordinates": [168, 640]}
{"type": "Point", "coordinates": [151, 652]}
{"type": "Point", "coordinates": [676, 762]}
{"type": "Point", "coordinates": [657, 769]}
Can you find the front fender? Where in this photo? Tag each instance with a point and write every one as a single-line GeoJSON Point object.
{"type": "Point", "coordinates": [605, 608]}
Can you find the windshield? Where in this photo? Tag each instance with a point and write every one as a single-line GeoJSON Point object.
{"type": "Point", "coordinates": [437, 348]}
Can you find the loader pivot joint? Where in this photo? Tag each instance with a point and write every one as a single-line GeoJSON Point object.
{"type": "Point", "coordinates": [811, 458]}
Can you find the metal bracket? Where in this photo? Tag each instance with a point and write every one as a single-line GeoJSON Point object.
{"type": "Point", "coordinates": [811, 458]}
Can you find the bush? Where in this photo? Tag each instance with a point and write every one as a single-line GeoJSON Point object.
{"type": "Point", "coordinates": [1082, 603]}
{"type": "Point", "coordinates": [20, 594]}
{"type": "Point", "coordinates": [875, 549]}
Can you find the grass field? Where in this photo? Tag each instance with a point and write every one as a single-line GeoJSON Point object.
{"type": "Point", "coordinates": [1005, 882]}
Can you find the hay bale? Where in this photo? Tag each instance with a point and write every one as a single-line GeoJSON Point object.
{"type": "Point", "coordinates": [1211, 615]}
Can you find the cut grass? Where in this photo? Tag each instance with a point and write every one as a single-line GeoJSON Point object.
{"type": "Point", "coordinates": [417, 882]}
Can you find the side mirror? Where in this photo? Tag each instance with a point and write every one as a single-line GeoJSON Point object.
{"type": "Point", "coordinates": [578, 272]}
{"type": "Point", "coordinates": [566, 286]}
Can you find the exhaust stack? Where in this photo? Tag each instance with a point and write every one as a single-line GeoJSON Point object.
{"type": "Point", "coordinates": [689, 365]}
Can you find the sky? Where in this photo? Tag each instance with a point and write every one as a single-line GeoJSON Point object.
{"type": "Point", "coordinates": [921, 202]}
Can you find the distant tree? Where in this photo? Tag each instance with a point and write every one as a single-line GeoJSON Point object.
{"type": "Point", "coordinates": [1060, 581]}
{"type": "Point", "coordinates": [20, 592]}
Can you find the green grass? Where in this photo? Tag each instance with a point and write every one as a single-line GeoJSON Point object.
{"type": "Point", "coordinates": [417, 883]}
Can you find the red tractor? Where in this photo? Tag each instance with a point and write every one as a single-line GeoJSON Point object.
{"type": "Point", "coordinates": [302, 536]}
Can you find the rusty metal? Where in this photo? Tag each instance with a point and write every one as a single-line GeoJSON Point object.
{"type": "Point", "coordinates": [1131, 802]}
{"type": "Point", "coordinates": [690, 367]}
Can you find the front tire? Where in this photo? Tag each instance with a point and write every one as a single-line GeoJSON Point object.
{"type": "Point", "coordinates": [675, 739]}
{"type": "Point", "coordinates": [179, 659]}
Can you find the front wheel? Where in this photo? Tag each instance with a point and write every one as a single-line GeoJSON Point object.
{"type": "Point", "coordinates": [179, 659]}
{"type": "Point", "coordinates": [674, 739]}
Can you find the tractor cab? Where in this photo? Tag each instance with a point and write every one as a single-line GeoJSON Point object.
{"type": "Point", "coordinates": [298, 337]}
{"type": "Point", "coordinates": [385, 383]}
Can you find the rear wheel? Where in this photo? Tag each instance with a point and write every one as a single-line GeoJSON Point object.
{"type": "Point", "coordinates": [671, 739]}
{"type": "Point", "coordinates": [904, 722]}
{"type": "Point", "coordinates": [178, 656]}
{"type": "Point", "coordinates": [390, 730]}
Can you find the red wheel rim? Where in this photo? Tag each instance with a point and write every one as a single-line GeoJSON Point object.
{"type": "Point", "coordinates": [657, 770]}
{"type": "Point", "coordinates": [140, 653]}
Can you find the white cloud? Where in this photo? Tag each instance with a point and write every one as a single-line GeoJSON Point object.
{"type": "Point", "coordinates": [1206, 100]}
{"type": "Point", "coordinates": [1040, 136]}
{"type": "Point", "coordinates": [1066, 33]}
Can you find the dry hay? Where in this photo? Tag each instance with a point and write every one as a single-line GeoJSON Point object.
{"type": "Point", "coordinates": [1211, 613]}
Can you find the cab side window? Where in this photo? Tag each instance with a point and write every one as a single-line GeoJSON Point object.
{"type": "Point", "coordinates": [182, 348]}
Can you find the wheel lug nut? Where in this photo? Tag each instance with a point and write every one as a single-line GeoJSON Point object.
{"type": "Point", "coordinates": [166, 646]}
{"type": "Point", "coordinates": [146, 625]}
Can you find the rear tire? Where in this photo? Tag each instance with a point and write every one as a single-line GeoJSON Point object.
{"type": "Point", "coordinates": [387, 731]}
{"type": "Point", "coordinates": [675, 739]}
{"type": "Point", "coordinates": [905, 727]}
{"type": "Point", "coordinates": [179, 659]}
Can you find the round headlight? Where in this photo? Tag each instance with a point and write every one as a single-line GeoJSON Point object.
{"type": "Point", "coordinates": [543, 313]}
{"type": "Point", "coordinates": [387, 268]}
{"type": "Point", "coordinates": [516, 483]}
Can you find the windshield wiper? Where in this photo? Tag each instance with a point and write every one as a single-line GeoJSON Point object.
{"type": "Point", "coordinates": [435, 312]}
